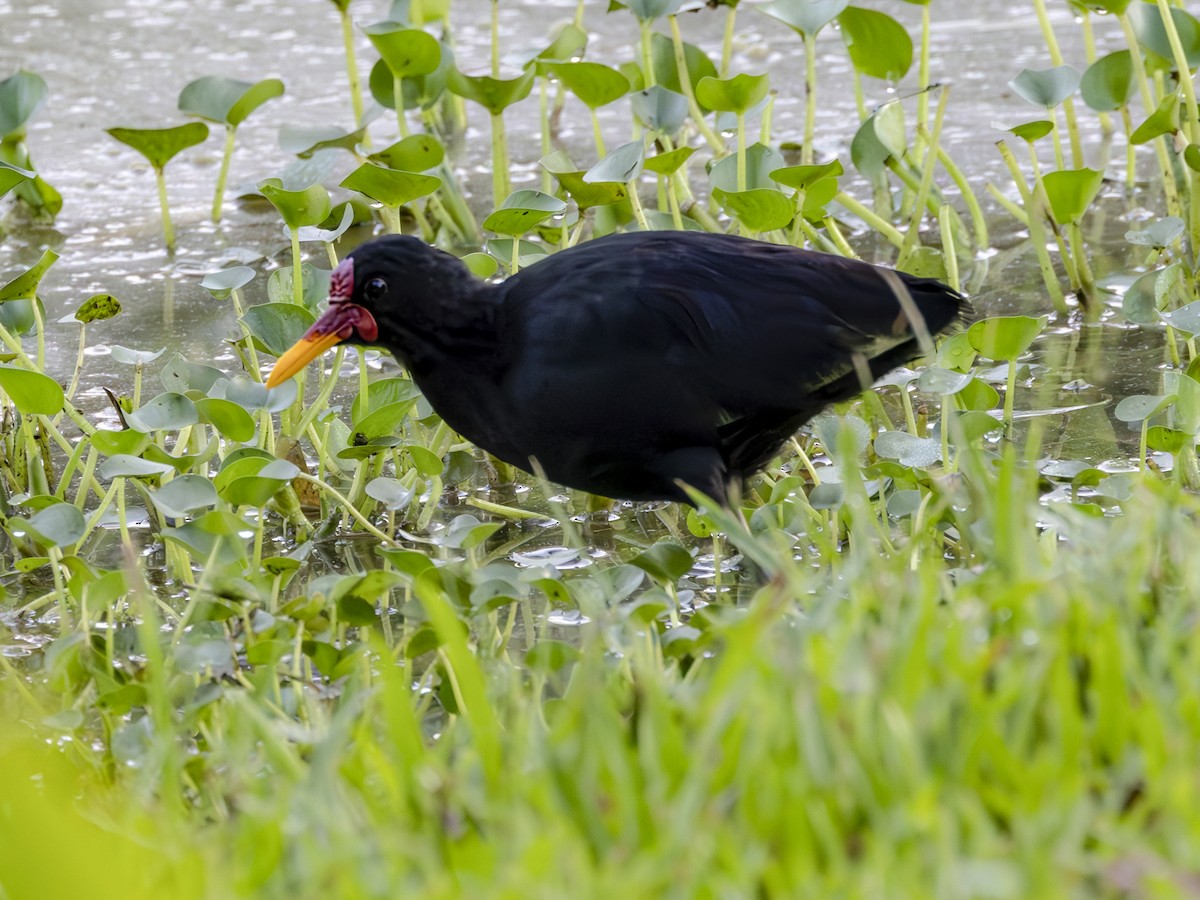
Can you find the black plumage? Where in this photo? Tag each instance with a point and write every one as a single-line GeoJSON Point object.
{"type": "Point", "coordinates": [636, 361]}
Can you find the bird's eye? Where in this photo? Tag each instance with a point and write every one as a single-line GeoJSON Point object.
{"type": "Point", "coordinates": [374, 289]}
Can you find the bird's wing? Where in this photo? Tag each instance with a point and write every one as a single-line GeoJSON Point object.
{"type": "Point", "coordinates": [741, 326]}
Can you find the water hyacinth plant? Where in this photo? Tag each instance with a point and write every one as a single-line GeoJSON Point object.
{"type": "Point", "coordinates": [257, 639]}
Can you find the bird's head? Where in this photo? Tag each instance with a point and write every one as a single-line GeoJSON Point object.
{"type": "Point", "coordinates": [365, 293]}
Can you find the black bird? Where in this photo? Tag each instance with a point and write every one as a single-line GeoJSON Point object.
{"type": "Point", "coordinates": [635, 362]}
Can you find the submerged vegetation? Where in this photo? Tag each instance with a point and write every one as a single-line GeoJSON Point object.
{"type": "Point", "coordinates": [307, 641]}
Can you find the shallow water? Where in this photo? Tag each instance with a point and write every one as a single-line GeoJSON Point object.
{"type": "Point", "coordinates": [123, 62]}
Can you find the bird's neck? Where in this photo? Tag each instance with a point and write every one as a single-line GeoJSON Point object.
{"type": "Point", "coordinates": [462, 334]}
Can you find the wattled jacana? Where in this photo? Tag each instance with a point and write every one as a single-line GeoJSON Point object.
{"type": "Point", "coordinates": [635, 362]}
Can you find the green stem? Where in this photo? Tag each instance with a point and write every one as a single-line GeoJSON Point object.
{"type": "Point", "coordinates": [321, 403]}
{"type": "Point", "coordinates": [1037, 235]}
{"type": "Point", "coordinates": [810, 98]}
{"type": "Point", "coordinates": [500, 182]}
{"type": "Point", "coordinates": [949, 253]}
{"type": "Point", "coordinates": [1010, 391]}
{"type": "Point", "coordinates": [356, 100]}
{"type": "Point", "coordinates": [741, 150]}
{"type": "Point", "coordinates": [978, 219]}
{"type": "Point", "coordinates": [495, 38]}
{"type": "Point", "coordinates": [223, 174]}
{"type": "Point", "coordinates": [1068, 105]}
{"type": "Point", "coordinates": [713, 139]}
{"type": "Point", "coordinates": [1174, 207]}
{"type": "Point", "coordinates": [297, 272]}
{"type": "Point", "coordinates": [911, 238]}
{"type": "Point", "coordinates": [923, 70]}
{"type": "Point", "coordinates": [597, 135]}
{"type": "Point", "coordinates": [636, 203]}
{"type": "Point", "coordinates": [398, 99]}
{"type": "Point", "coordinates": [1087, 287]}
{"type": "Point", "coordinates": [646, 31]}
{"type": "Point", "coordinates": [168, 228]}
{"type": "Point", "coordinates": [727, 41]}
{"type": "Point", "coordinates": [875, 222]}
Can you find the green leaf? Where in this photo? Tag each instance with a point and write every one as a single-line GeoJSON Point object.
{"type": "Point", "coordinates": [1191, 156]}
{"type": "Point", "coordinates": [666, 71]}
{"type": "Point", "coordinates": [660, 109]}
{"type": "Point", "coordinates": [129, 357]}
{"type": "Point", "coordinates": [182, 375]}
{"type": "Point", "coordinates": [1158, 235]}
{"type": "Point", "coordinates": [128, 442]}
{"type": "Point", "coordinates": [227, 101]}
{"type": "Point", "coordinates": [594, 84]}
{"type": "Point", "coordinates": [1108, 82]}
{"type": "Point", "coordinates": [407, 52]}
{"type": "Point", "coordinates": [160, 145]}
{"type": "Point", "coordinates": [956, 352]}
{"type": "Point", "coordinates": [1142, 406]}
{"type": "Point", "coordinates": [762, 209]}
{"type": "Point", "coordinates": [305, 141]}
{"type": "Point", "coordinates": [22, 95]}
{"type": "Point", "coordinates": [1167, 440]}
{"type": "Point", "coordinates": [736, 94]}
{"type": "Point", "coordinates": [481, 265]}
{"type": "Point", "coordinates": [122, 465]}
{"type": "Point", "coordinates": [1151, 33]}
{"type": "Point", "coordinates": [275, 327]}
{"type": "Point", "coordinates": [761, 161]}
{"type": "Point", "coordinates": [420, 91]}
{"type": "Point", "coordinates": [805, 16]}
{"type": "Point", "coordinates": [58, 525]}
{"type": "Point", "coordinates": [649, 10]}
{"type": "Point", "coordinates": [1071, 192]}
{"type": "Point", "coordinates": [666, 562]}
{"type": "Point", "coordinates": [307, 206]}
{"type": "Point", "coordinates": [1032, 131]}
{"type": "Point", "coordinates": [314, 285]}
{"type": "Point", "coordinates": [230, 419]}
{"type": "Point", "coordinates": [521, 211]}
{"type": "Point", "coordinates": [11, 176]}
{"type": "Point", "coordinates": [184, 494]}
{"type": "Point", "coordinates": [221, 284]}
{"type": "Point", "coordinates": [24, 286]}
{"type": "Point", "coordinates": [493, 94]}
{"type": "Point", "coordinates": [390, 187]}
{"type": "Point", "coordinates": [167, 412]}
{"type": "Point", "coordinates": [878, 45]}
{"type": "Point", "coordinates": [1164, 120]}
{"type": "Point", "coordinates": [586, 194]}
{"type": "Point", "coordinates": [97, 308]}
{"type": "Point", "coordinates": [801, 177]}
{"type": "Point", "coordinates": [943, 382]}
{"type": "Point", "coordinates": [1004, 337]}
{"type": "Point", "coordinates": [880, 138]}
{"type": "Point", "coordinates": [623, 164]}
{"type": "Point", "coordinates": [670, 162]}
{"type": "Point", "coordinates": [384, 421]}
{"type": "Point", "coordinates": [32, 393]}
{"type": "Point", "coordinates": [1046, 87]}
{"type": "Point", "coordinates": [569, 43]}
{"type": "Point", "coordinates": [381, 393]}
{"type": "Point", "coordinates": [908, 449]}
{"type": "Point", "coordinates": [390, 492]}
{"type": "Point", "coordinates": [415, 153]}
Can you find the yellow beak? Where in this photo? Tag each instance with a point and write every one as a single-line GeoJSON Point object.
{"type": "Point", "coordinates": [299, 355]}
